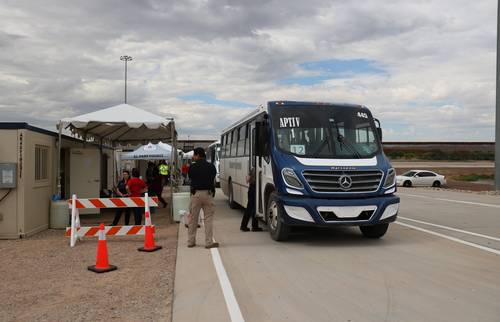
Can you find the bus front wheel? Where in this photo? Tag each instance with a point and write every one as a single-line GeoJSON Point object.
{"type": "Point", "coordinates": [274, 214]}
{"type": "Point", "coordinates": [374, 231]}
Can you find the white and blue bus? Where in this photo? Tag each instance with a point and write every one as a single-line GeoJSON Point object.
{"type": "Point", "coordinates": [317, 164]}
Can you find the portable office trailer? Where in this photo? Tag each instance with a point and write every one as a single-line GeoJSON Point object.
{"type": "Point", "coordinates": [28, 163]}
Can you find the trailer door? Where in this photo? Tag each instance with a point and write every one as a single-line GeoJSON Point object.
{"type": "Point", "coordinates": [85, 174]}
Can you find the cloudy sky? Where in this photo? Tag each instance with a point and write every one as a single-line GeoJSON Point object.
{"type": "Point", "coordinates": [425, 68]}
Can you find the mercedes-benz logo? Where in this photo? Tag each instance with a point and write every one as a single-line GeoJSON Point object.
{"type": "Point", "coordinates": [345, 182]}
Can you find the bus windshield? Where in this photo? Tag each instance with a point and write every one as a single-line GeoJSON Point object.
{"type": "Point", "coordinates": [325, 131]}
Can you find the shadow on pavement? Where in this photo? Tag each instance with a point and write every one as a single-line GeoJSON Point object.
{"type": "Point", "coordinates": [342, 237]}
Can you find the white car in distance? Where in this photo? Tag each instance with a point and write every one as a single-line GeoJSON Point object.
{"type": "Point", "coordinates": [420, 178]}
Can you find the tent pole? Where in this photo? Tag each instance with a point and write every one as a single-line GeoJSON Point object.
{"type": "Point", "coordinates": [58, 173]}
{"type": "Point", "coordinates": [101, 158]}
{"type": "Point", "coordinates": [116, 172]}
{"type": "Point", "coordinates": [172, 169]}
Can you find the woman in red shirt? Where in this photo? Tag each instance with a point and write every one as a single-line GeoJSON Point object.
{"type": "Point", "coordinates": [136, 187]}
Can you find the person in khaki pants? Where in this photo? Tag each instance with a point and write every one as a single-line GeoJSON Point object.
{"type": "Point", "coordinates": [202, 175]}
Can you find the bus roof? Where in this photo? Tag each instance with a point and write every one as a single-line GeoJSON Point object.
{"type": "Point", "coordinates": [300, 103]}
{"type": "Point", "coordinates": [214, 144]}
{"type": "Point", "coordinates": [262, 109]}
{"type": "Point", "coordinates": [249, 116]}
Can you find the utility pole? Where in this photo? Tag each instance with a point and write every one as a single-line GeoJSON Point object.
{"type": "Point", "coordinates": [497, 123]}
{"type": "Point", "coordinates": [125, 59]}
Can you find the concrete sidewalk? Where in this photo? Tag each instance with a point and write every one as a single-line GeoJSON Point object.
{"type": "Point", "coordinates": [338, 275]}
{"type": "Point", "coordinates": [197, 293]}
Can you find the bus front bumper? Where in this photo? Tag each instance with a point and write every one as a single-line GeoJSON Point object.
{"type": "Point", "coordinates": [349, 212]}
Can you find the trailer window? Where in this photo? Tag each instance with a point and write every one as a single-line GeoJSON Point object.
{"type": "Point", "coordinates": [41, 163]}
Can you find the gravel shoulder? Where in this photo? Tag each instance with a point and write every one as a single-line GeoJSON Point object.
{"type": "Point", "coordinates": [43, 279]}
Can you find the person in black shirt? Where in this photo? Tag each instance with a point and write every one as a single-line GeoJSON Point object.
{"type": "Point", "coordinates": [156, 188]}
{"type": "Point", "coordinates": [150, 172]}
{"type": "Point", "coordinates": [250, 210]}
{"type": "Point", "coordinates": [202, 175]}
{"type": "Point", "coordinates": [121, 191]}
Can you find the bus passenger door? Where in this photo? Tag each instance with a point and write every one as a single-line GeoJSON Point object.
{"type": "Point", "coordinates": [258, 171]}
{"type": "Point", "coordinates": [256, 162]}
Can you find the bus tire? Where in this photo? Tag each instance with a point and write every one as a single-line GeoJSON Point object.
{"type": "Point", "coordinates": [374, 231]}
{"type": "Point", "coordinates": [278, 230]}
{"type": "Point", "coordinates": [232, 203]}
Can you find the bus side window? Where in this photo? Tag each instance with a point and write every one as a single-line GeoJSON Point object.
{"type": "Point", "coordinates": [241, 141]}
{"type": "Point", "coordinates": [223, 146]}
{"type": "Point", "coordinates": [252, 153]}
{"type": "Point", "coordinates": [247, 140]}
{"type": "Point", "coordinates": [234, 142]}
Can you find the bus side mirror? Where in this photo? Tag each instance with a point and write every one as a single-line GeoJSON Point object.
{"type": "Point", "coordinates": [379, 129]}
{"type": "Point", "coordinates": [379, 133]}
{"type": "Point", "coordinates": [261, 142]}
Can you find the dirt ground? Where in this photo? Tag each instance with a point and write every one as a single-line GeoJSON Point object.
{"type": "Point", "coordinates": [43, 279]}
{"type": "Point", "coordinates": [452, 174]}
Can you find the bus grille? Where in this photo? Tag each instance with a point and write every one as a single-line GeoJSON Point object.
{"type": "Point", "coordinates": [330, 180]}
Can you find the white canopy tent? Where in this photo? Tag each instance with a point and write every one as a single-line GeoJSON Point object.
{"type": "Point", "coordinates": [122, 124]}
{"type": "Point", "coordinates": [168, 147]}
{"type": "Point", "coordinates": [188, 155]}
{"type": "Point", "coordinates": [118, 125]}
{"type": "Point", "coordinates": [149, 152]}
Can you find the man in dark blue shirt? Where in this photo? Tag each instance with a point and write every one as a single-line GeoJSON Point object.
{"type": "Point", "coordinates": [202, 175]}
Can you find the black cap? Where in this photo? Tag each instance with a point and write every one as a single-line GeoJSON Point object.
{"type": "Point", "coordinates": [199, 152]}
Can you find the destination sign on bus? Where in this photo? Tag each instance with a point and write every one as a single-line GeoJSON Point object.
{"type": "Point", "coordinates": [289, 122]}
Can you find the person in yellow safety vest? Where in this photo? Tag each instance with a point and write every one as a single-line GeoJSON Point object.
{"type": "Point", "coordinates": [163, 167]}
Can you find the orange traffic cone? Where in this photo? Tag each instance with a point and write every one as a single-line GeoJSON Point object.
{"type": "Point", "coordinates": [102, 264]}
{"type": "Point", "coordinates": [149, 240]}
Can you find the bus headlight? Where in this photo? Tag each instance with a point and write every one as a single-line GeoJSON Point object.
{"type": "Point", "coordinates": [390, 179]}
{"type": "Point", "coordinates": [291, 178]}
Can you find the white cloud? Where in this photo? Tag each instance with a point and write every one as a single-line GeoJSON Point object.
{"type": "Point", "coordinates": [62, 59]}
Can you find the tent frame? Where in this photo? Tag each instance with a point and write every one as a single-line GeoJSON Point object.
{"type": "Point", "coordinates": [114, 143]}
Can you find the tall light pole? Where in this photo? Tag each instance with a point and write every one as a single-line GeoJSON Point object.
{"type": "Point", "coordinates": [125, 59]}
{"type": "Point", "coordinates": [497, 123]}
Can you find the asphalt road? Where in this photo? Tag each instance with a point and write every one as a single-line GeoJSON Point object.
{"type": "Point", "coordinates": [417, 272]}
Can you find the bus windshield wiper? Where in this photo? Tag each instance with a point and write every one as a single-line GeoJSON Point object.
{"type": "Point", "coordinates": [320, 148]}
{"type": "Point", "coordinates": [343, 142]}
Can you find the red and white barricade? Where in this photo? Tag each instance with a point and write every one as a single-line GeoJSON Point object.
{"type": "Point", "coordinates": [76, 231]}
